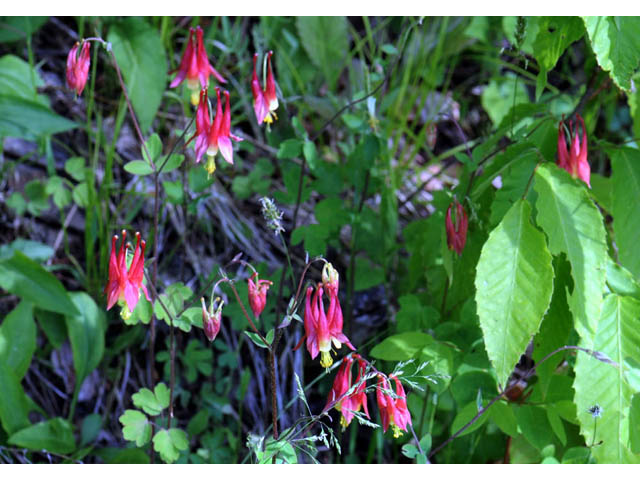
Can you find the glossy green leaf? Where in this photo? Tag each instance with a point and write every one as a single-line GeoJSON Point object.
{"type": "Point", "coordinates": [515, 178]}
{"type": "Point", "coordinates": [55, 436]}
{"type": "Point", "coordinates": [616, 45]}
{"type": "Point", "coordinates": [574, 226]}
{"type": "Point", "coordinates": [135, 427]}
{"type": "Point", "coordinates": [18, 339]}
{"type": "Point", "coordinates": [464, 416]}
{"type": "Point", "coordinates": [86, 333]}
{"type": "Point", "coordinates": [140, 53]}
{"type": "Point", "coordinates": [534, 425]}
{"type": "Point", "coordinates": [625, 178]}
{"type": "Point", "coordinates": [23, 277]}
{"type": "Point", "coordinates": [328, 56]}
{"type": "Point", "coordinates": [168, 443]}
{"type": "Point", "coordinates": [17, 79]}
{"type": "Point", "coordinates": [514, 282]}
{"type": "Point", "coordinates": [598, 383]}
{"type": "Point", "coordinates": [634, 424]}
{"type": "Point", "coordinates": [502, 414]}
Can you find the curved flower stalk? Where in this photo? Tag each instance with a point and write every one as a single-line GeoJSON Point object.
{"type": "Point", "coordinates": [456, 233]}
{"type": "Point", "coordinates": [393, 411]}
{"type": "Point", "coordinates": [213, 136]}
{"type": "Point", "coordinates": [195, 66]}
{"type": "Point", "coordinates": [574, 159]}
{"type": "Point", "coordinates": [78, 67]}
{"type": "Point", "coordinates": [258, 293]}
{"type": "Point", "coordinates": [265, 100]}
{"type": "Point", "coordinates": [124, 285]}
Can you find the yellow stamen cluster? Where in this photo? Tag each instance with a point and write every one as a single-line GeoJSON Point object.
{"type": "Point", "coordinates": [325, 359]}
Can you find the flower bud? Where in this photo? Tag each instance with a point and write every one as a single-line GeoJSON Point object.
{"type": "Point", "coordinates": [78, 67]}
{"type": "Point", "coordinates": [330, 278]}
{"type": "Point", "coordinates": [456, 233]}
{"type": "Point", "coordinates": [258, 294]}
{"type": "Point", "coordinates": [211, 320]}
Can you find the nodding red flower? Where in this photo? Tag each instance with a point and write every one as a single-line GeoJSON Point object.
{"type": "Point", "coordinates": [330, 279]}
{"type": "Point", "coordinates": [195, 66]}
{"type": "Point", "coordinates": [213, 136]}
{"type": "Point", "coordinates": [124, 285]}
{"type": "Point", "coordinates": [78, 67]}
{"type": "Point", "coordinates": [265, 100]}
{"type": "Point", "coordinates": [348, 404]}
{"type": "Point", "coordinates": [574, 160]}
{"type": "Point", "coordinates": [210, 319]}
{"type": "Point", "coordinates": [393, 411]}
{"type": "Point", "coordinates": [322, 329]}
{"type": "Point", "coordinates": [456, 233]}
{"type": "Point", "coordinates": [258, 293]}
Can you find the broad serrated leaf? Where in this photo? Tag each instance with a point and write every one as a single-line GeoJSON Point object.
{"type": "Point", "coordinates": [169, 443]}
{"type": "Point", "coordinates": [86, 333]}
{"type": "Point", "coordinates": [598, 383]}
{"type": "Point", "coordinates": [514, 282]}
{"type": "Point", "coordinates": [18, 339]}
{"type": "Point", "coordinates": [139, 51]}
{"type": "Point", "coordinates": [135, 427]}
{"type": "Point", "coordinates": [574, 226]}
{"type": "Point", "coordinates": [327, 55]}
{"type": "Point", "coordinates": [616, 44]}
{"type": "Point", "coordinates": [23, 277]}
{"type": "Point", "coordinates": [55, 436]}
{"type": "Point", "coordinates": [625, 178]}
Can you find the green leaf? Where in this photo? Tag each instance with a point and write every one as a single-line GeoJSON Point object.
{"type": "Point", "coordinates": [14, 408]}
{"type": "Point", "coordinates": [255, 338]}
{"type": "Point", "coordinates": [198, 423]}
{"type": "Point", "coordinates": [464, 416]}
{"type": "Point", "coordinates": [290, 148]}
{"type": "Point", "coordinates": [139, 51]}
{"type": "Point", "coordinates": [36, 251]}
{"type": "Point", "coordinates": [19, 28]}
{"type": "Point", "coordinates": [367, 274]}
{"type": "Point", "coordinates": [502, 414]}
{"type": "Point", "coordinates": [514, 282]}
{"type": "Point", "coordinates": [55, 436]}
{"type": "Point", "coordinates": [174, 162]}
{"type": "Point", "coordinates": [23, 277]}
{"type": "Point", "coordinates": [281, 449]}
{"type": "Point", "coordinates": [91, 426]}
{"type": "Point", "coordinates": [555, 34]}
{"type": "Point", "coordinates": [328, 56]}
{"type": "Point", "coordinates": [154, 146]}
{"type": "Point", "coordinates": [534, 425]}
{"type": "Point", "coordinates": [634, 422]}
{"type": "Point", "coordinates": [403, 346]}
{"type": "Point", "coordinates": [86, 333]}
{"type": "Point", "coordinates": [152, 402]}
{"type": "Point", "coordinates": [138, 167]}
{"type": "Point", "coordinates": [515, 177]}
{"type": "Point", "coordinates": [618, 337]}
{"type": "Point", "coordinates": [17, 79]}
{"type": "Point", "coordinates": [75, 168]}
{"type": "Point", "coordinates": [135, 427]}
{"type": "Point", "coordinates": [625, 178]}
{"type": "Point", "coordinates": [168, 443]}
{"type": "Point", "coordinates": [29, 119]}
{"type": "Point", "coordinates": [616, 45]}
{"type": "Point", "coordinates": [620, 280]}
{"type": "Point", "coordinates": [574, 226]}
{"type": "Point", "coordinates": [498, 97]}
{"type": "Point", "coordinates": [18, 339]}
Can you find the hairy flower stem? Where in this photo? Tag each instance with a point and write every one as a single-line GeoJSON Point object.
{"type": "Point", "coordinates": [274, 391]}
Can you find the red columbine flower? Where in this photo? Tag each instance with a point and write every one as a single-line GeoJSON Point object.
{"type": "Point", "coordinates": [456, 233]}
{"type": "Point", "coordinates": [393, 411]}
{"type": "Point", "coordinates": [346, 405]}
{"type": "Point", "coordinates": [321, 329]}
{"type": "Point", "coordinates": [210, 319]}
{"type": "Point", "coordinates": [265, 101]}
{"type": "Point", "coordinates": [574, 160]}
{"type": "Point", "coordinates": [258, 293]}
{"type": "Point", "coordinates": [78, 67]}
{"type": "Point", "coordinates": [124, 286]}
{"type": "Point", "coordinates": [213, 136]}
{"type": "Point", "coordinates": [195, 66]}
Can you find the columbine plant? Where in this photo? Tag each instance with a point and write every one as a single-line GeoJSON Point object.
{"type": "Point", "coordinates": [265, 100]}
{"type": "Point", "coordinates": [78, 67]}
